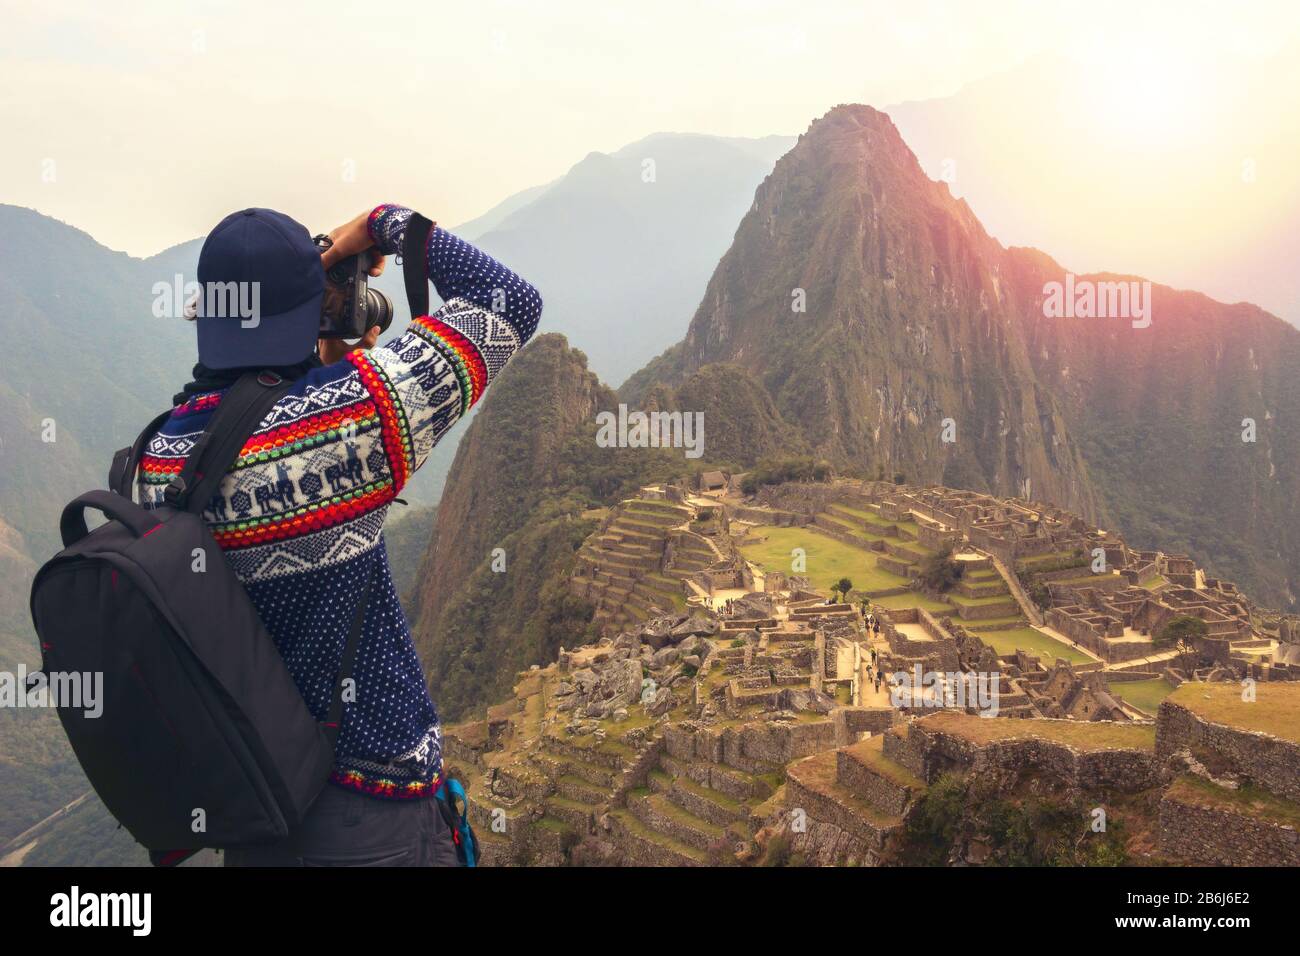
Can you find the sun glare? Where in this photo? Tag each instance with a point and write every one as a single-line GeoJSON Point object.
{"type": "Point", "coordinates": [1141, 96]}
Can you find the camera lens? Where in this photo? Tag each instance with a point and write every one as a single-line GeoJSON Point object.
{"type": "Point", "coordinates": [379, 310]}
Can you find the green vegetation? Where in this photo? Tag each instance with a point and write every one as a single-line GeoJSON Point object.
{"type": "Point", "coordinates": [953, 815]}
{"type": "Point", "coordinates": [779, 471]}
{"type": "Point", "coordinates": [1248, 800]}
{"type": "Point", "coordinates": [1182, 634]}
{"type": "Point", "coordinates": [1086, 736]}
{"type": "Point", "coordinates": [406, 536]}
{"type": "Point", "coordinates": [780, 852]}
{"type": "Point", "coordinates": [499, 624]}
{"type": "Point", "coordinates": [933, 824]}
{"type": "Point", "coordinates": [1275, 709]}
{"type": "Point", "coordinates": [1032, 641]}
{"type": "Point", "coordinates": [1180, 630]}
{"type": "Point", "coordinates": [1143, 694]}
{"type": "Point", "coordinates": [87, 836]}
{"type": "Point", "coordinates": [828, 560]}
{"type": "Point", "coordinates": [1053, 561]}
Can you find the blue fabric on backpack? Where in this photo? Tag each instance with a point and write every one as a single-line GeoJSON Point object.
{"type": "Point", "coordinates": [462, 833]}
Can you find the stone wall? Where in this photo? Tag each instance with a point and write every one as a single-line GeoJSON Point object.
{"type": "Point", "coordinates": [765, 516]}
{"type": "Point", "coordinates": [860, 720]}
{"type": "Point", "coordinates": [1265, 760]}
{"type": "Point", "coordinates": [1126, 771]}
{"type": "Point", "coordinates": [936, 538]}
{"type": "Point", "coordinates": [829, 807]}
{"type": "Point", "coordinates": [987, 612]}
{"type": "Point", "coordinates": [635, 775]}
{"type": "Point", "coordinates": [875, 788]}
{"type": "Point", "coordinates": [808, 498]}
{"type": "Point", "coordinates": [1217, 837]}
{"type": "Point", "coordinates": [752, 748]}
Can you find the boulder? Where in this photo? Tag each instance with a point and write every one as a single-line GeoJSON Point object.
{"type": "Point", "coordinates": [663, 702]}
{"type": "Point", "coordinates": [585, 680]}
{"type": "Point", "coordinates": [664, 657]}
{"type": "Point", "coordinates": [658, 631]}
{"type": "Point", "coordinates": [695, 625]}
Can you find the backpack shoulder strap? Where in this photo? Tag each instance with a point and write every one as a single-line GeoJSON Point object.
{"type": "Point", "coordinates": [121, 474]}
{"type": "Point", "coordinates": [243, 406]}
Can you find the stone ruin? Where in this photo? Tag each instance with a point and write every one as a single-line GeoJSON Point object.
{"type": "Point", "coordinates": [696, 732]}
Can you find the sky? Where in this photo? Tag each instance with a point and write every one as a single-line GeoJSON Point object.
{"type": "Point", "coordinates": [145, 123]}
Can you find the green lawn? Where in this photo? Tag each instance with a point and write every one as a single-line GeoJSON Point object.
{"type": "Point", "coordinates": [1003, 598]}
{"type": "Point", "coordinates": [1049, 558]}
{"type": "Point", "coordinates": [1034, 642]}
{"type": "Point", "coordinates": [1143, 694]}
{"type": "Point", "coordinates": [849, 528]}
{"type": "Point", "coordinates": [827, 560]}
{"type": "Point", "coordinates": [996, 623]}
{"type": "Point", "coordinates": [1275, 709]}
{"type": "Point", "coordinates": [1082, 735]}
{"type": "Point", "coordinates": [868, 516]}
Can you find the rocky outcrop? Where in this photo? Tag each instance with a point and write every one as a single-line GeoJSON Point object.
{"type": "Point", "coordinates": [879, 315]}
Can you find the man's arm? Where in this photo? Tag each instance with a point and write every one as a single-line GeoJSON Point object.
{"type": "Point", "coordinates": [427, 378]}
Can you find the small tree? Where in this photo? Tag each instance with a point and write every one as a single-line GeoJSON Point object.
{"type": "Point", "coordinates": [842, 587]}
{"type": "Point", "coordinates": [940, 572]}
{"type": "Point", "coordinates": [1182, 633]}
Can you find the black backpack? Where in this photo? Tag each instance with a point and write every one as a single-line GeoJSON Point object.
{"type": "Point", "coordinates": [203, 739]}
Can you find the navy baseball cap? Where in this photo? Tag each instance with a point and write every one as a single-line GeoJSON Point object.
{"type": "Point", "coordinates": [261, 289]}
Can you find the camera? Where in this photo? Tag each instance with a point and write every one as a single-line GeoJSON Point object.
{"type": "Point", "coordinates": [351, 307]}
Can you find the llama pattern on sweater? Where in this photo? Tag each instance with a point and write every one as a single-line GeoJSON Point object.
{"type": "Point", "coordinates": [301, 511]}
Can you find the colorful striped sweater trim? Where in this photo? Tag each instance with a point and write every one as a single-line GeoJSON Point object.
{"type": "Point", "coordinates": [317, 516]}
{"type": "Point", "coordinates": [290, 440]}
{"type": "Point", "coordinates": [386, 787]}
{"type": "Point", "coordinates": [395, 431]}
{"type": "Point", "coordinates": [466, 360]}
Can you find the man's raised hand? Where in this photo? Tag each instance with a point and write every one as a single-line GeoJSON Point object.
{"type": "Point", "coordinates": [349, 239]}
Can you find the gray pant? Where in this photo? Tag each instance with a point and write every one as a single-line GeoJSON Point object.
{"type": "Point", "coordinates": [345, 828]}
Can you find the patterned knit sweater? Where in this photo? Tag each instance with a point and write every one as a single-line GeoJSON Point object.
{"type": "Point", "coordinates": [300, 513]}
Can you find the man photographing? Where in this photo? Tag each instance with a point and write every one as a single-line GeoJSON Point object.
{"type": "Point", "coordinates": [299, 515]}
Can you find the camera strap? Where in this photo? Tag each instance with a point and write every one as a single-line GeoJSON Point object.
{"type": "Point", "coordinates": [415, 240]}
